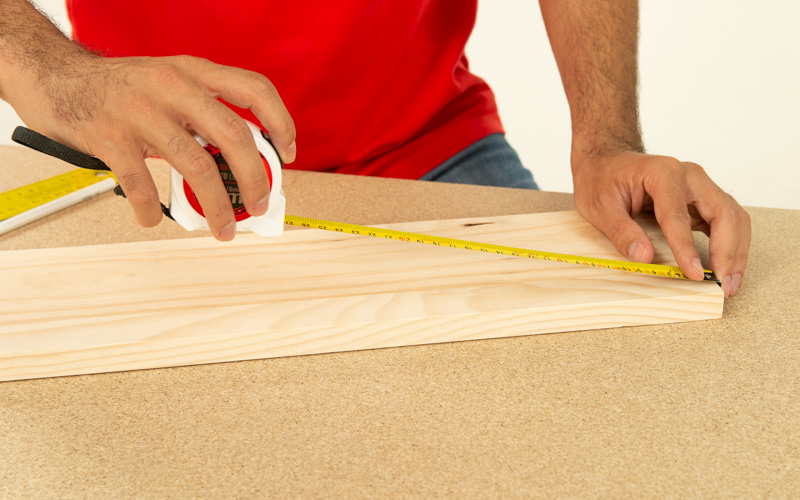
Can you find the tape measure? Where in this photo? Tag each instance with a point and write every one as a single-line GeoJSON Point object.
{"type": "Point", "coordinates": [391, 234]}
{"type": "Point", "coordinates": [185, 209]}
{"type": "Point", "coordinates": [30, 196]}
{"type": "Point", "coordinates": [22, 199]}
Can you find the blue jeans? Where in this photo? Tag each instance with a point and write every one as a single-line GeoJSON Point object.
{"type": "Point", "coordinates": [488, 162]}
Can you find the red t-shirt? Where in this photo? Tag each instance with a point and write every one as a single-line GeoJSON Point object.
{"type": "Point", "coordinates": [375, 88]}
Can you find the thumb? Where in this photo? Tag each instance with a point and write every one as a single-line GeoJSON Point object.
{"type": "Point", "coordinates": [628, 236]}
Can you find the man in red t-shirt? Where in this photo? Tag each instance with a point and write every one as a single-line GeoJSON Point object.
{"type": "Point", "coordinates": [375, 88]}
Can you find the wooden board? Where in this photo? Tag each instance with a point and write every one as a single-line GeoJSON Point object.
{"type": "Point", "coordinates": [93, 309]}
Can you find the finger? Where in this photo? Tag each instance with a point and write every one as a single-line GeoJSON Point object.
{"type": "Point", "coordinates": [729, 246]}
{"type": "Point", "coordinates": [729, 236]}
{"type": "Point", "coordinates": [131, 171]}
{"type": "Point", "coordinates": [740, 262]}
{"type": "Point", "coordinates": [669, 202]}
{"type": "Point", "coordinates": [200, 171]}
{"type": "Point", "coordinates": [628, 236]}
{"type": "Point", "coordinates": [698, 223]}
{"type": "Point", "coordinates": [223, 128]}
{"type": "Point", "coordinates": [250, 90]}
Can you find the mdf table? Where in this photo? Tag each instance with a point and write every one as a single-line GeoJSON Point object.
{"type": "Point", "coordinates": [707, 408]}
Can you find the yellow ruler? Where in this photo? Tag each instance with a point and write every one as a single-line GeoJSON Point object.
{"type": "Point", "coordinates": [22, 199]}
{"type": "Point", "coordinates": [32, 202]}
{"type": "Point", "coordinates": [340, 227]}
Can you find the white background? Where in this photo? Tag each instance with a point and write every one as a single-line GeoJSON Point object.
{"type": "Point", "coordinates": [719, 86]}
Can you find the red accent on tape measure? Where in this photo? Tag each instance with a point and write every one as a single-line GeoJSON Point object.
{"type": "Point", "coordinates": [228, 180]}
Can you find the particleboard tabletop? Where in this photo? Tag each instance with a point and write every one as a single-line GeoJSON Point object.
{"type": "Point", "coordinates": [682, 410]}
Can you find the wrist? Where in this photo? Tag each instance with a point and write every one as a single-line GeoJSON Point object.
{"type": "Point", "coordinates": [56, 87]}
{"type": "Point", "coordinates": [588, 148]}
{"type": "Point", "coordinates": [36, 58]}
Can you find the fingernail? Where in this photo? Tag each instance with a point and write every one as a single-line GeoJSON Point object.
{"type": "Point", "coordinates": [726, 286]}
{"type": "Point", "coordinates": [736, 281]}
{"type": "Point", "coordinates": [632, 251]}
{"type": "Point", "coordinates": [260, 208]}
{"type": "Point", "coordinates": [291, 152]}
{"type": "Point", "coordinates": [697, 268]}
{"type": "Point", "coordinates": [228, 231]}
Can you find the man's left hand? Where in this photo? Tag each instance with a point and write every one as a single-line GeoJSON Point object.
{"type": "Point", "coordinates": [612, 189]}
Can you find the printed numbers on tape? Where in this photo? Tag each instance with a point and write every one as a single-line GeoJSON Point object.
{"type": "Point", "coordinates": [635, 267]}
{"type": "Point", "coordinates": [19, 200]}
{"type": "Point", "coordinates": [22, 199]}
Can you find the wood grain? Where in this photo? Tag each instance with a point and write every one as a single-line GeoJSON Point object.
{"type": "Point", "coordinates": [93, 309]}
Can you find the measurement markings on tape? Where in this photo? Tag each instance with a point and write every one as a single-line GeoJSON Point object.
{"type": "Point", "coordinates": [22, 199]}
{"type": "Point", "coordinates": [25, 198]}
{"type": "Point", "coordinates": [340, 227]}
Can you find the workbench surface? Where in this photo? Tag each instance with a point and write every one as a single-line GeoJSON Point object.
{"type": "Point", "coordinates": [708, 408]}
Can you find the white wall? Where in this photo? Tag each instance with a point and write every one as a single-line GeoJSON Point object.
{"type": "Point", "coordinates": [719, 86]}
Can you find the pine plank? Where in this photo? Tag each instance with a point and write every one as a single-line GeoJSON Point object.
{"type": "Point", "coordinates": [94, 309]}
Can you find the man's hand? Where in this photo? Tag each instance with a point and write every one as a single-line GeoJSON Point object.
{"type": "Point", "coordinates": [126, 109]}
{"type": "Point", "coordinates": [610, 190]}
{"type": "Point", "coordinates": [595, 46]}
{"type": "Point", "coordinates": [123, 110]}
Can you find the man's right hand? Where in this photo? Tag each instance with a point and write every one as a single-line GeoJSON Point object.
{"type": "Point", "coordinates": [123, 110]}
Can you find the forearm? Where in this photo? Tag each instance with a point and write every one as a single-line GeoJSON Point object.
{"type": "Point", "coordinates": [595, 47]}
{"type": "Point", "coordinates": [35, 57]}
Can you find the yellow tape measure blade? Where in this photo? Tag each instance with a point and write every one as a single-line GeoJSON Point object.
{"type": "Point", "coordinates": [340, 227]}
{"type": "Point", "coordinates": [22, 199]}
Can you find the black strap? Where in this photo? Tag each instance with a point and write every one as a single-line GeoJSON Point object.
{"type": "Point", "coordinates": [48, 146]}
